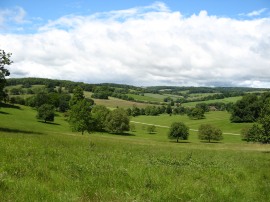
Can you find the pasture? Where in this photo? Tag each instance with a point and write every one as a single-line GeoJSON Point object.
{"type": "Point", "coordinates": [48, 162]}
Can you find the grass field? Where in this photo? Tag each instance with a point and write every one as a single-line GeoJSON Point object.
{"type": "Point", "coordinates": [145, 98]}
{"type": "Point", "coordinates": [115, 102]}
{"type": "Point", "coordinates": [48, 162]}
{"type": "Point", "coordinates": [225, 100]}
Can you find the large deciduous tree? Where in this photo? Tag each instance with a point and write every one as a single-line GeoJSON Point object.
{"type": "Point", "coordinates": [4, 60]}
{"type": "Point", "coordinates": [246, 110]}
{"type": "Point", "coordinates": [178, 130]}
{"type": "Point", "coordinates": [99, 114]}
{"type": "Point", "coordinates": [260, 132]}
{"type": "Point", "coordinates": [80, 118]}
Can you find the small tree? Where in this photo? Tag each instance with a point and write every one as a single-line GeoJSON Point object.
{"type": "Point", "coordinates": [117, 121]}
{"type": "Point", "coordinates": [209, 132]}
{"type": "Point", "coordinates": [151, 129]}
{"type": "Point", "coordinates": [178, 131]}
{"type": "Point", "coordinates": [80, 118]}
{"type": "Point", "coordinates": [46, 112]}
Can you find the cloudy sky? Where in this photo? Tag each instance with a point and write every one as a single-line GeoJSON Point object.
{"type": "Point", "coordinates": [142, 42]}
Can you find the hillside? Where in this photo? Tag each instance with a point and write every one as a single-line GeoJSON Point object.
{"type": "Point", "coordinates": [49, 162]}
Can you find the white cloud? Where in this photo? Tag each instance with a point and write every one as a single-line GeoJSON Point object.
{"type": "Point", "coordinates": [146, 46]}
{"type": "Point", "coordinates": [14, 15]}
{"type": "Point", "coordinates": [256, 12]}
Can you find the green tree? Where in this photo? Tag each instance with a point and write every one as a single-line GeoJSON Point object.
{"type": "Point", "coordinates": [209, 132]}
{"type": "Point", "coordinates": [99, 114]}
{"type": "Point", "coordinates": [260, 131]}
{"type": "Point", "coordinates": [203, 106]}
{"type": "Point", "coordinates": [251, 134]}
{"type": "Point", "coordinates": [135, 111]}
{"type": "Point", "coordinates": [4, 60]}
{"type": "Point", "coordinates": [178, 130]}
{"type": "Point", "coordinates": [80, 118]}
{"type": "Point", "coordinates": [46, 112]}
{"type": "Point", "coordinates": [196, 113]}
{"type": "Point", "coordinates": [117, 121]}
{"type": "Point", "coordinates": [77, 96]}
{"type": "Point", "coordinates": [264, 120]}
{"type": "Point", "coordinates": [246, 110]}
{"type": "Point", "coordinates": [169, 109]}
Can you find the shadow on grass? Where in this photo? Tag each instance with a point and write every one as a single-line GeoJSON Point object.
{"type": "Point", "coordinates": [3, 112]}
{"type": "Point", "coordinates": [266, 152]}
{"type": "Point", "coordinates": [50, 123]}
{"type": "Point", "coordinates": [11, 130]}
{"type": "Point", "coordinates": [212, 142]}
{"type": "Point", "coordinates": [5, 105]}
{"type": "Point", "coordinates": [123, 134]}
{"type": "Point", "coordinates": [180, 142]}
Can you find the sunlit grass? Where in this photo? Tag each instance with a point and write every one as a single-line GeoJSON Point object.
{"type": "Point", "coordinates": [48, 162]}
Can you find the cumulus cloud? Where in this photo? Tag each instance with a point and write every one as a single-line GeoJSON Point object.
{"type": "Point", "coordinates": [146, 46]}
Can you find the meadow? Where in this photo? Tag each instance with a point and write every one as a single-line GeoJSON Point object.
{"type": "Point", "coordinates": [49, 162]}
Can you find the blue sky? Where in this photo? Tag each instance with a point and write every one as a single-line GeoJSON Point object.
{"type": "Point", "coordinates": [40, 12]}
{"type": "Point", "coordinates": [52, 9]}
{"type": "Point", "coordinates": [188, 42]}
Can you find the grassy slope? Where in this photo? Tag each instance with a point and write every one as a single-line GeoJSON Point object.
{"type": "Point", "coordinates": [115, 102]}
{"type": "Point", "coordinates": [225, 100]}
{"type": "Point", "coordinates": [46, 162]}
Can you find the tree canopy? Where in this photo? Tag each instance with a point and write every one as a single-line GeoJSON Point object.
{"type": "Point", "coordinates": [196, 113]}
{"type": "Point", "coordinates": [246, 110]}
{"type": "Point", "coordinates": [117, 121]}
{"type": "Point", "coordinates": [4, 60]}
{"type": "Point", "coordinates": [45, 112]}
{"type": "Point", "coordinates": [209, 132]}
{"type": "Point", "coordinates": [99, 114]}
{"type": "Point", "coordinates": [77, 96]}
{"type": "Point", "coordinates": [178, 130]}
{"type": "Point", "coordinates": [80, 117]}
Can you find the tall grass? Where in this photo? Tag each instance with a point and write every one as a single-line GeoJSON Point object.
{"type": "Point", "coordinates": [46, 162]}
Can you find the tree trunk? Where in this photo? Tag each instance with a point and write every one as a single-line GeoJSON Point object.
{"type": "Point", "coordinates": [177, 139]}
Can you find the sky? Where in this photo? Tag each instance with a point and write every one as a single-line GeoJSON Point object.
{"type": "Point", "coordinates": [142, 43]}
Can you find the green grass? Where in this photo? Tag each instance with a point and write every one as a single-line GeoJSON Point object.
{"type": "Point", "coordinates": [193, 96]}
{"type": "Point", "coordinates": [225, 100]}
{"type": "Point", "coordinates": [145, 98]}
{"type": "Point", "coordinates": [115, 102]}
{"type": "Point", "coordinates": [48, 162]}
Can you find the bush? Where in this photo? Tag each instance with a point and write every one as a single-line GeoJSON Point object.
{"type": "Point", "coordinates": [151, 129]}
